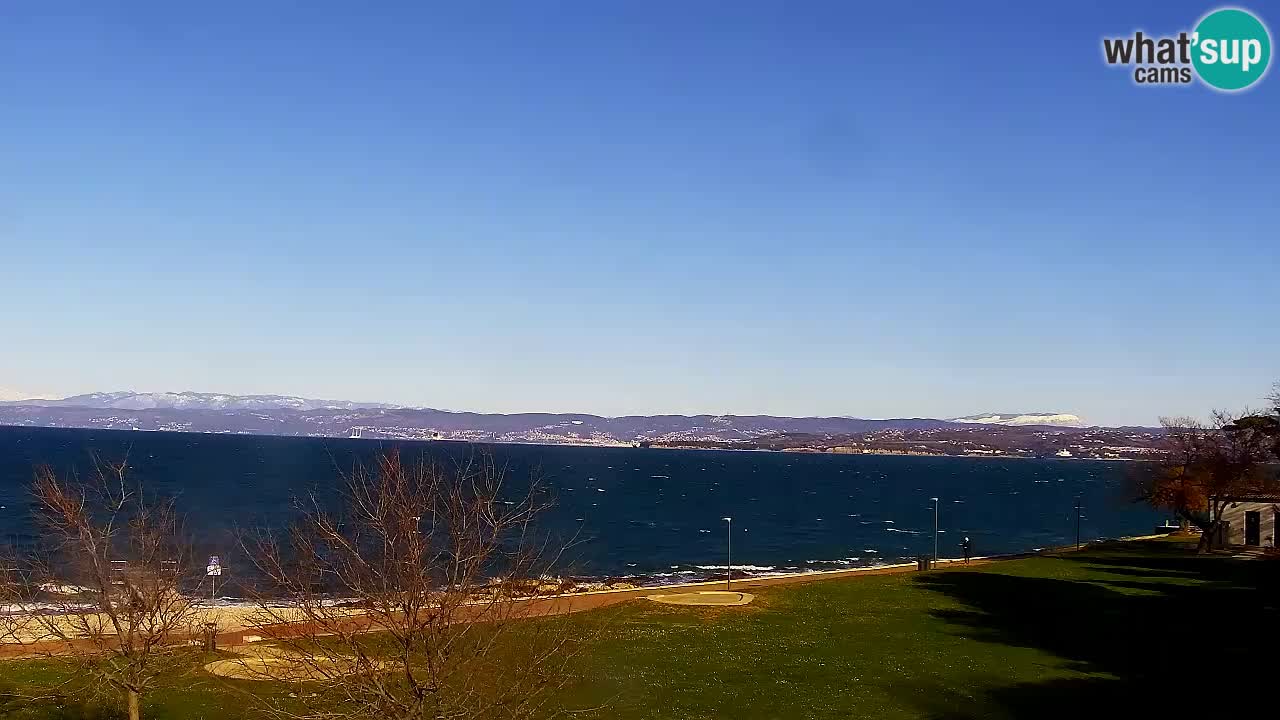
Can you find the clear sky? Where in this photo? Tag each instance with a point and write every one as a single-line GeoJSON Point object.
{"type": "Point", "coordinates": [869, 209]}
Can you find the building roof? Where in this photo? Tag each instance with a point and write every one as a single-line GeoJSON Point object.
{"type": "Point", "coordinates": [1254, 497]}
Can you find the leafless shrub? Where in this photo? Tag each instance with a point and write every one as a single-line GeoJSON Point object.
{"type": "Point", "coordinates": [103, 589]}
{"type": "Point", "coordinates": [403, 602]}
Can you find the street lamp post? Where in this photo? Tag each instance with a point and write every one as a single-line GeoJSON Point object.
{"type": "Point", "coordinates": [935, 530]}
{"type": "Point", "coordinates": [1077, 522]}
{"type": "Point", "coordinates": [728, 580]}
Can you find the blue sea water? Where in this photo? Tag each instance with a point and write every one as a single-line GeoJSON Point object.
{"type": "Point", "coordinates": [645, 512]}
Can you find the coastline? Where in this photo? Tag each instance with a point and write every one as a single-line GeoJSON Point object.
{"type": "Point", "coordinates": [597, 445]}
{"type": "Point", "coordinates": [242, 624]}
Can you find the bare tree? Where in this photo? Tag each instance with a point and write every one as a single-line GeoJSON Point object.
{"type": "Point", "coordinates": [403, 602]}
{"type": "Point", "coordinates": [103, 588]}
{"type": "Point", "coordinates": [1207, 465]}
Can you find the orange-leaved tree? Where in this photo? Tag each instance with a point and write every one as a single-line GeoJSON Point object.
{"type": "Point", "coordinates": [1206, 466]}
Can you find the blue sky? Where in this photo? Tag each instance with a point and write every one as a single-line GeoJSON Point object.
{"type": "Point", "coordinates": [788, 208]}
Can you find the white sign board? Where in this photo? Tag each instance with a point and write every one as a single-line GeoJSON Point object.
{"type": "Point", "coordinates": [214, 567]}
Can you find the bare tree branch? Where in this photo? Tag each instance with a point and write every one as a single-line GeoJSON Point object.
{"type": "Point", "coordinates": [403, 603]}
{"type": "Point", "coordinates": [104, 587]}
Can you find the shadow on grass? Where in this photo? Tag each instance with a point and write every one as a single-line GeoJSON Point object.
{"type": "Point", "coordinates": [1201, 633]}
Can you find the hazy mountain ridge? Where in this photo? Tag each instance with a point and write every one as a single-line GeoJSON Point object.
{"type": "Point", "coordinates": [420, 423]}
{"type": "Point", "coordinates": [1001, 433]}
{"type": "Point", "coordinates": [129, 400]}
{"type": "Point", "coordinates": [187, 400]}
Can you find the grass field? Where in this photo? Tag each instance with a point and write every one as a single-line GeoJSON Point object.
{"type": "Point", "coordinates": [1137, 628]}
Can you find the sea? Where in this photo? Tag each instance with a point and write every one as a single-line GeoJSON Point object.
{"type": "Point", "coordinates": [645, 514]}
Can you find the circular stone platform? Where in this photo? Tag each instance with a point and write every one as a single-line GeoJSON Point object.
{"type": "Point", "coordinates": [717, 598]}
{"type": "Point", "coordinates": [271, 663]}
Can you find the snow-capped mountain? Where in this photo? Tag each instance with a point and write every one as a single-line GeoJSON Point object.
{"type": "Point", "coordinates": [1057, 419]}
{"type": "Point", "coordinates": [11, 394]}
{"type": "Point", "coordinates": [129, 400]}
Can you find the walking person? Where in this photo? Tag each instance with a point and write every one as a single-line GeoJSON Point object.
{"type": "Point", "coordinates": [967, 546]}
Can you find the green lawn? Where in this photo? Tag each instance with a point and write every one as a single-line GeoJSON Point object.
{"type": "Point", "coordinates": [1138, 628]}
{"type": "Point", "coordinates": [1042, 637]}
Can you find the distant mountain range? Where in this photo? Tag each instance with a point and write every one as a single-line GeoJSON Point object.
{"type": "Point", "coordinates": [1013, 434]}
{"type": "Point", "coordinates": [127, 400]}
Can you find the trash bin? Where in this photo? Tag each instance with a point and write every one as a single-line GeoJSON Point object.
{"type": "Point", "coordinates": [924, 562]}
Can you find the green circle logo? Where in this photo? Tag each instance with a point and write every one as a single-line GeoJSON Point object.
{"type": "Point", "coordinates": [1232, 49]}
